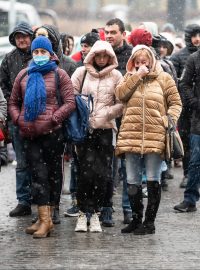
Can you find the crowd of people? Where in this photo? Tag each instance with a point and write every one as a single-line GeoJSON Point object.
{"type": "Point", "coordinates": [136, 79]}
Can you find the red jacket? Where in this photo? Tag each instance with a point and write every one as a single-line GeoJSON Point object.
{"type": "Point", "coordinates": [54, 115]}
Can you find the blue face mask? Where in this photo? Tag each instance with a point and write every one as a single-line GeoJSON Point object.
{"type": "Point", "coordinates": [41, 60]}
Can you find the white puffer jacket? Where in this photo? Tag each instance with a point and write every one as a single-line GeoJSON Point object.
{"type": "Point", "coordinates": [101, 85]}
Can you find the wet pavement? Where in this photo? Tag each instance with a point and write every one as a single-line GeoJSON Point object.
{"type": "Point", "coordinates": [176, 244]}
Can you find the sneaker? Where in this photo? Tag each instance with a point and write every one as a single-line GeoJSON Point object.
{"type": "Point", "coordinates": [81, 225]}
{"type": "Point", "coordinates": [20, 210]}
{"type": "Point", "coordinates": [185, 207]}
{"type": "Point", "coordinates": [183, 183]}
{"type": "Point", "coordinates": [72, 212]}
{"type": "Point", "coordinates": [95, 224]}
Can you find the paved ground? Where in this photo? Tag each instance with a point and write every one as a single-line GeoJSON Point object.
{"type": "Point", "coordinates": [176, 244]}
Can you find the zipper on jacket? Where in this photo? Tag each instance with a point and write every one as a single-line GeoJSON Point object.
{"type": "Point", "coordinates": [143, 119]}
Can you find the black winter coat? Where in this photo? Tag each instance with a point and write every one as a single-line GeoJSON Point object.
{"type": "Point", "coordinates": [190, 90]}
{"type": "Point", "coordinates": [179, 60]}
{"type": "Point", "coordinates": [12, 64]}
{"type": "Point", "coordinates": [123, 53]}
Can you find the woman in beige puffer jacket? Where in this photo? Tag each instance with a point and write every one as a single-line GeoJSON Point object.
{"type": "Point", "coordinates": [148, 94]}
{"type": "Point", "coordinates": [95, 154]}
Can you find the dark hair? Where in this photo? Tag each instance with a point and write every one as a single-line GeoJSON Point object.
{"type": "Point", "coordinates": [118, 22]}
{"type": "Point", "coordinates": [65, 41]}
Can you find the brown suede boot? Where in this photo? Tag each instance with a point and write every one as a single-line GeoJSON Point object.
{"type": "Point", "coordinates": [51, 221]}
{"type": "Point", "coordinates": [45, 222]}
{"type": "Point", "coordinates": [32, 229]}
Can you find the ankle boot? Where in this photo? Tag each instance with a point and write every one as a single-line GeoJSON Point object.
{"type": "Point", "coordinates": [45, 222]}
{"type": "Point", "coordinates": [55, 215]}
{"type": "Point", "coordinates": [135, 198]}
{"type": "Point", "coordinates": [33, 228]}
{"type": "Point", "coordinates": [107, 220]}
{"type": "Point", "coordinates": [132, 226]}
{"type": "Point", "coordinates": [154, 196]}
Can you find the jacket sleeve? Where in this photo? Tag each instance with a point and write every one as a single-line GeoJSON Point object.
{"type": "Point", "coordinates": [5, 82]}
{"type": "Point", "coordinates": [3, 106]}
{"type": "Point", "coordinates": [187, 85]}
{"type": "Point", "coordinates": [15, 100]}
{"type": "Point", "coordinates": [68, 99]}
{"type": "Point", "coordinates": [127, 87]}
{"type": "Point", "coordinates": [77, 78]}
{"type": "Point", "coordinates": [116, 110]}
{"type": "Point", "coordinates": [172, 97]}
{"type": "Point", "coordinates": [176, 62]}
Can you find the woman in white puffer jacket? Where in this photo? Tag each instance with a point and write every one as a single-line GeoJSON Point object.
{"type": "Point", "coordinates": [95, 154]}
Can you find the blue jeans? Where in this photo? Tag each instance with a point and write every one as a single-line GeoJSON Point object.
{"type": "Point", "coordinates": [23, 176]}
{"type": "Point", "coordinates": [135, 164]}
{"type": "Point", "coordinates": [125, 199]}
{"type": "Point", "coordinates": [191, 193]}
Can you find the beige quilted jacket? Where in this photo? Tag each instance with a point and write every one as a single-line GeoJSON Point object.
{"type": "Point", "coordinates": [146, 101]}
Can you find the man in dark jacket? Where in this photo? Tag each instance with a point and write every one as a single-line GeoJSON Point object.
{"type": "Point", "coordinates": [115, 35]}
{"type": "Point", "coordinates": [192, 40]}
{"type": "Point", "coordinates": [190, 85]}
{"type": "Point", "coordinates": [11, 65]}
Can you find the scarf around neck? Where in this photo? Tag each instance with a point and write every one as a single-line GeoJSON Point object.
{"type": "Point", "coordinates": [35, 93]}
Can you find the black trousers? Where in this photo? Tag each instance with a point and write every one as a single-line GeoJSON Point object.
{"type": "Point", "coordinates": [44, 155]}
{"type": "Point", "coordinates": [95, 170]}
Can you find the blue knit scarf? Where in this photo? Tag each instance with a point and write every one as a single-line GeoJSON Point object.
{"type": "Point", "coordinates": [35, 94]}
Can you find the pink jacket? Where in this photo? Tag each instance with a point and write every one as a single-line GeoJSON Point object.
{"type": "Point", "coordinates": [101, 85]}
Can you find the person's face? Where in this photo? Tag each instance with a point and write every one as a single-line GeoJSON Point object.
{"type": "Point", "coordinates": [196, 40]}
{"type": "Point", "coordinates": [101, 59]}
{"type": "Point", "coordinates": [85, 48]}
{"type": "Point", "coordinates": [23, 42]}
{"type": "Point", "coordinates": [114, 36]}
{"type": "Point", "coordinates": [163, 51]}
{"type": "Point", "coordinates": [40, 52]}
{"type": "Point", "coordinates": [141, 60]}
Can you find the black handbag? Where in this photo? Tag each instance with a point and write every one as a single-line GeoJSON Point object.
{"type": "Point", "coordinates": [174, 145]}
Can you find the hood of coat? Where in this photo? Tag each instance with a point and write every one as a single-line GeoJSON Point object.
{"type": "Point", "coordinates": [53, 34]}
{"type": "Point", "coordinates": [130, 67]}
{"type": "Point", "coordinates": [99, 47]}
{"type": "Point", "coordinates": [23, 28]}
{"type": "Point", "coordinates": [190, 31]}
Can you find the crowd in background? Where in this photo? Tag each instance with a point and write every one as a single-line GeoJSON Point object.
{"type": "Point", "coordinates": [136, 79]}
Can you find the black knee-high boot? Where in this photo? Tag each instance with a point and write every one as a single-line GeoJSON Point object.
{"type": "Point", "coordinates": [154, 196]}
{"type": "Point", "coordinates": [135, 198]}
